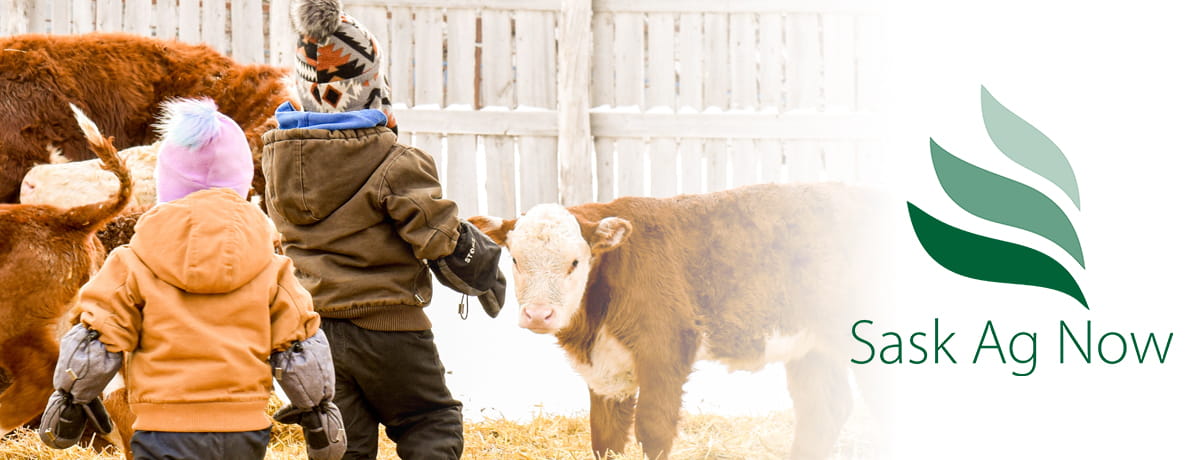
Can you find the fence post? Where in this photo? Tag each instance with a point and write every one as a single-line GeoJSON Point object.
{"type": "Point", "coordinates": [574, 141]}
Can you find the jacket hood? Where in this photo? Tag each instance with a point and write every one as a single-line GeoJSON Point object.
{"type": "Point", "coordinates": [210, 242]}
{"type": "Point", "coordinates": [318, 170]}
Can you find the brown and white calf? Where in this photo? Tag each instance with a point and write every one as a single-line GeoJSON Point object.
{"type": "Point", "coordinates": [46, 254]}
{"type": "Point", "coordinates": [638, 289]}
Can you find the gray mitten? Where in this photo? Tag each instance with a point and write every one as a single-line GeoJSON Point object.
{"type": "Point", "coordinates": [84, 364]}
{"type": "Point", "coordinates": [306, 371]}
{"type": "Point", "coordinates": [325, 437]}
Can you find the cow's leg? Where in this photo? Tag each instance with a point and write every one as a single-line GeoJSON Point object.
{"type": "Point", "coordinates": [29, 359]}
{"type": "Point", "coordinates": [610, 420]}
{"type": "Point", "coordinates": [822, 399]}
{"type": "Point", "coordinates": [661, 379]}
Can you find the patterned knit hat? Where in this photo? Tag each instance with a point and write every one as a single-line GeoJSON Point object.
{"type": "Point", "coordinates": [200, 149]}
{"type": "Point", "coordinates": [340, 66]}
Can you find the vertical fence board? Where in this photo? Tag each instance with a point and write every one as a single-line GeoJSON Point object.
{"type": "Point", "coordinates": [661, 97]}
{"type": "Point", "coordinates": [400, 74]}
{"type": "Point", "coordinates": [690, 89]}
{"type": "Point", "coordinates": [743, 93]}
{"type": "Point", "coordinates": [188, 14]}
{"type": "Point", "coordinates": [803, 79]}
{"type": "Point", "coordinates": [60, 21]}
{"type": "Point", "coordinates": [629, 91]}
{"type": "Point", "coordinates": [283, 41]}
{"type": "Point", "coordinates": [868, 65]}
{"type": "Point", "coordinates": [574, 146]}
{"type": "Point", "coordinates": [771, 71]}
{"type": "Point", "coordinates": [427, 67]}
{"type": "Point", "coordinates": [535, 89]}
{"type": "Point", "coordinates": [804, 161]}
{"type": "Point", "coordinates": [109, 15]}
{"type": "Point", "coordinates": [838, 52]}
{"type": "Point", "coordinates": [462, 169]}
{"type": "Point", "coordinates": [717, 95]}
{"type": "Point", "coordinates": [167, 19]}
{"type": "Point", "coordinates": [82, 15]}
{"type": "Point", "coordinates": [214, 25]}
{"type": "Point", "coordinates": [496, 91]}
{"type": "Point", "coordinates": [603, 95]}
{"type": "Point", "coordinates": [39, 16]}
{"type": "Point", "coordinates": [137, 15]}
{"type": "Point", "coordinates": [247, 24]}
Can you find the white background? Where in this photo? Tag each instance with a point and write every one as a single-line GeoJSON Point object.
{"type": "Point", "coordinates": [1107, 82]}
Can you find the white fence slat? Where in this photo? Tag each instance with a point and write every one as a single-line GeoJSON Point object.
{"type": "Point", "coordinates": [804, 78]}
{"type": "Point", "coordinates": [501, 175]}
{"type": "Point", "coordinates": [247, 23]}
{"type": "Point", "coordinates": [404, 137]}
{"type": "Point", "coordinates": [661, 96]}
{"type": "Point", "coordinates": [838, 45]}
{"type": "Point", "coordinates": [868, 65]}
{"type": "Point", "coordinates": [744, 163]}
{"type": "Point", "coordinates": [804, 161]}
{"type": "Point", "coordinates": [496, 90]}
{"type": "Point", "coordinates": [214, 25]}
{"type": "Point", "coordinates": [602, 89]}
{"type": "Point", "coordinates": [717, 159]}
{"type": "Point", "coordinates": [137, 14]}
{"type": "Point", "coordinates": [839, 157]}
{"type": "Point", "coordinates": [39, 17]}
{"type": "Point", "coordinates": [282, 41]}
{"type": "Point", "coordinates": [869, 163]}
{"type": "Point", "coordinates": [428, 47]}
{"type": "Point", "coordinates": [743, 81]}
{"type": "Point", "coordinates": [690, 61]}
{"type": "Point", "coordinates": [690, 150]}
{"type": "Point", "coordinates": [461, 66]}
{"type": "Point", "coordinates": [82, 15]}
{"type": "Point", "coordinates": [59, 17]}
{"type": "Point", "coordinates": [189, 14]}
{"type": "Point", "coordinates": [375, 19]}
{"type": "Point", "coordinates": [753, 6]}
{"type": "Point", "coordinates": [604, 167]}
{"type": "Point", "coordinates": [167, 19]}
{"type": "Point", "coordinates": [771, 160]}
{"type": "Point", "coordinates": [109, 15]}
{"type": "Point", "coordinates": [462, 167]}
{"type": "Point", "coordinates": [631, 159]}
{"type": "Point", "coordinates": [536, 88]}
{"type": "Point", "coordinates": [574, 147]}
{"type": "Point", "coordinates": [462, 177]}
{"type": "Point", "coordinates": [400, 50]}
{"type": "Point", "coordinates": [430, 143]}
{"type": "Point", "coordinates": [771, 61]}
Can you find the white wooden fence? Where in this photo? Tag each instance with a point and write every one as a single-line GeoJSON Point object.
{"type": "Point", "coordinates": [529, 101]}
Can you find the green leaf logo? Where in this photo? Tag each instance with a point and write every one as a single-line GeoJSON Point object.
{"type": "Point", "coordinates": [998, 199]}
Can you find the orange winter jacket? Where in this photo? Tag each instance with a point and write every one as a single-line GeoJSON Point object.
{"type": "Point", "coordinates": [199, 300]}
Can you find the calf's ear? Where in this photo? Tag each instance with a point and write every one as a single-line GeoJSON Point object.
{"type": "Point", "coordinates": [494, 227]}
{"type": "Point", "coordinates": [609, 234]}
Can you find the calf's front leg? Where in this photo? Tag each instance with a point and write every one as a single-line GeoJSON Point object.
{"type": "Point", "coordinates": [610, 420]}
{"type": "Point", "coordinates": [661, 379]}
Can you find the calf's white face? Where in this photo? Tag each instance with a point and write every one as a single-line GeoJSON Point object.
{"type": "Point", "coordinates": [552, 252]}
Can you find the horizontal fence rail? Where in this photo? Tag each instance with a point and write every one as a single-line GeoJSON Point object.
{"type": "Point", "coordinates": [530, 101]}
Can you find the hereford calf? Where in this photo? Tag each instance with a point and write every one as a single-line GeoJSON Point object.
{"type": "Point", "coordinates": [638, 289]}
{"type": "Point", "coordinates": [120, 80]}
{"type": "Point", "coordinates": [46, 254]}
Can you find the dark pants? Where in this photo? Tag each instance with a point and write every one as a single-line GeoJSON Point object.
{"type": "Point", "coordinates": [395, 379]}
{"type": "Point", "coordinates": [164, 445]}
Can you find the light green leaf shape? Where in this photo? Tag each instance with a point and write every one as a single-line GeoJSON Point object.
{"type": "Point", "coordinates": [1002, 200]}
{"type": "Point", "coordinates": [1027, 146]}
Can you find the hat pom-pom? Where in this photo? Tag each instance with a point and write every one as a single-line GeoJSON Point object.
{"type": "Point", "coordinates": [190, 123]}
{"type": "Point", "coordinates": [317, 19]}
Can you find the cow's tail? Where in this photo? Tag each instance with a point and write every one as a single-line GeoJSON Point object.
{"type": "Point", "coordinates": [90, 217]}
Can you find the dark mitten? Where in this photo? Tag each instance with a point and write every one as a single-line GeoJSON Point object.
{"type": "Point", "coordinates": [64, 419]}
{"type": "Point", "coordinates": [325, 437]}
{"type": "Point", "coordinates": [473, 268]}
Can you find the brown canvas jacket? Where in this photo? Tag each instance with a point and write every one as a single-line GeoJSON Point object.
{"type": "Point", "coordinates": [359, 213]}
{"type": "Point", "coordinates": [199, 301]}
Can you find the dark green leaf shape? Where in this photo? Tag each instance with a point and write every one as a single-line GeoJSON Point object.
{"type": "Point", "coordinates": [1027, 146]}
{"type": "Point", "coordinates": [998, 199]}
{"type": "Point", "coordinates": [988, 259]}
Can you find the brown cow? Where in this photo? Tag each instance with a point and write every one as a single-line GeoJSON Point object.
{"type": "Point", "coordinates": [119, 80]}
{"type": "Point", "coordinates": [46, 254]}
{"type": "Point", "coordinates": [638, 289]}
